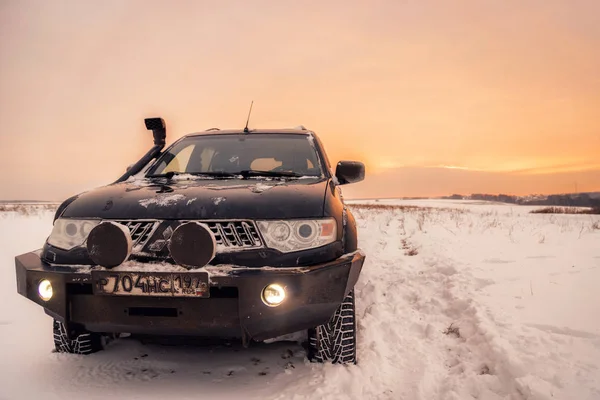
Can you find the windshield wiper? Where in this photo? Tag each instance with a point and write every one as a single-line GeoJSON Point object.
{"type": "Point", "coordinates": [247, 173]}
{"type": "Point", "coordinates": [276, 174]}
{"type": "Point", "coordinates": [215, 174]}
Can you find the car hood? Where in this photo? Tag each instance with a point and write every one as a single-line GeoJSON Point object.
{"type": "Point", "coordinates": [160, 198]}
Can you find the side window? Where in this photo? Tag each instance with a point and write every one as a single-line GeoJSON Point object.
{"type": "Point", "coordinates": [180, 161]}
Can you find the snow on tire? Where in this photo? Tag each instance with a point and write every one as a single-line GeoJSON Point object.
{"type": "Point", "coordinates": [335, 341]}
{"type": "Point", "coordinates": [83, 343]}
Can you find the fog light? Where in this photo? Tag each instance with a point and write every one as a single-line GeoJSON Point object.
{"type": "Point", "coordinates": [45, 290]}
{"type": "Point", "coordinates": [273, 295]}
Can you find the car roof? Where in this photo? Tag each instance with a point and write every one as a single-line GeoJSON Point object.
{"type": "Point", "coordinates": [215, 131]}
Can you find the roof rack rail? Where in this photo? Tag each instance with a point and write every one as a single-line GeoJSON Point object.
{"type": "Point", "coordinates": [213, 129]}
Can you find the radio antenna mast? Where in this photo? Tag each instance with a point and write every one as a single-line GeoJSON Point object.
{"type": "Point", "coordinates": [248, 120]}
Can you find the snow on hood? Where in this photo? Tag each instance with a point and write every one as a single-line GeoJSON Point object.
{"type": "Point", "coordinates": [162, 200]}
{"type": "Point", "coordinates": [260, 187]}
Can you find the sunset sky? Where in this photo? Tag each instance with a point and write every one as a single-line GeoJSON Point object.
{"type": "Point", "coordinates": [436, 97]}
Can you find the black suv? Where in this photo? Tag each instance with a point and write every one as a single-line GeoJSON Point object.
{"type": "Point", "coordinates": [229, 234]}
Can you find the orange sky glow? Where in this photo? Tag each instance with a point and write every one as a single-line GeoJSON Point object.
{"type": "Point", "coordinates": [436, 97]}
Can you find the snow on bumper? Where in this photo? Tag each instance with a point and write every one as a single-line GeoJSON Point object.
{"type": "Point", "coordinates": [233, 309]}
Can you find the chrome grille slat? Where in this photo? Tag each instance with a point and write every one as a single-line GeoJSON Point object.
{"type": "Point", "coordinates": [238, 239]}
{"type": "Point", "coordinates": [230, 235]}
{"type": "Point", "coordinates": [244, 234]}
{"type": "Point", "coordinates": [144, 235]}
{"type": "Point", "coordinates": [222, 235]}
{"type": "Point", "coordinates": [235, 235]}
{"type": "Point", "coordinates": [140, 232]}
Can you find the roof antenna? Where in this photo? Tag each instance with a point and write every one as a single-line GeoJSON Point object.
{"type": "Point", "coordinates": [248, 120]}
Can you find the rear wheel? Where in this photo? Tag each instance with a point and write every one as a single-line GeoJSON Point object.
{"type": "Point", "coordinates": [335, 341]}
{"type": "Point", "coordinates": [83, 342]}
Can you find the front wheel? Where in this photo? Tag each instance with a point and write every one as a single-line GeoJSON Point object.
{"type": "Point", "coordinates": [81, 343]}
{"type": "Point", "coordinates": [335, 341]}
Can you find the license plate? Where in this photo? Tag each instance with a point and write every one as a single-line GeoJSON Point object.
{"type": "Point", "coordinates": [186, 284]}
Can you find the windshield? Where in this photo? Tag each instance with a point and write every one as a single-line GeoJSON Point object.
{"type": "Point", "coordinates": [289, 155]}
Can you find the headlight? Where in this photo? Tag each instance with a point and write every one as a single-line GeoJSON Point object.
{"type": "Point", "coordinates": [70, 233]}
{"type": "Point", "coordinates": [294, 235]}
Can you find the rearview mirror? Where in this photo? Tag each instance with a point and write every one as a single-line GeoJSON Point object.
{"type": "Point", "coordinates": [350, 172]}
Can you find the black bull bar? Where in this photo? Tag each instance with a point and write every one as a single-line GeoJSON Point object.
{"type": "Point", "coordinates": [232, 308]}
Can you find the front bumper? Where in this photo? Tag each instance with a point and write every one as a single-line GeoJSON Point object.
{"type": "Point", "coordinates": [234, 308]}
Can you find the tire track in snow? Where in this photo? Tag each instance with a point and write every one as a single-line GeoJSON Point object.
{"type": "Point", "coordinates": [477, 360]}
{"type": "Point", "coordinates": [476, 357]}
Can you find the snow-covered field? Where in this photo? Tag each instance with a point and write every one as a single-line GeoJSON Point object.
{"type": "Point", "coordinates": [457, 300]}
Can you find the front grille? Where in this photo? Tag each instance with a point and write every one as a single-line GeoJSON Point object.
{"type": "Point", "coordinates": [235, 235]}
{"type": "Point", "coordinates": [229, 235]}
{"type": "Point", "coordinates": [140, 232]}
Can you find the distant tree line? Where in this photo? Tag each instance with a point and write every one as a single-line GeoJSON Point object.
{"type": "Point", "coordinates": [565, 200]}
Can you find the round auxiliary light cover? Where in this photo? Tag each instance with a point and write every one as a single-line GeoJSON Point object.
{"type": "Point", "coordinates": [109, 244]}
{"type": "Point", "coordinates": [192, 245]}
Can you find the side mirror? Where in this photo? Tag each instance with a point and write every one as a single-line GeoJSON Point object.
{"type": "Point", "coordinates": [349, 172]}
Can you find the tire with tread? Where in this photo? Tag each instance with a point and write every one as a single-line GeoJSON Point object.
{"type": "Point", "coordinates": [83, 343]}
{"type": "Point", "coordinates": [335, 341]}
